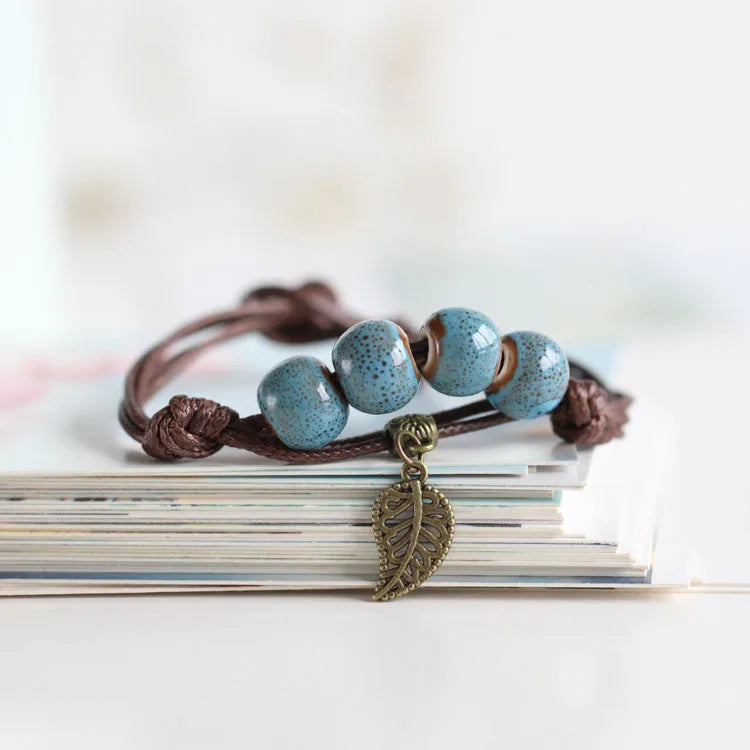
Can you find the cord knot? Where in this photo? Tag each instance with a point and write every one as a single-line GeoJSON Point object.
{"type": "Point", "coordinates": [313, 313]}
{"type": "Point", "coordinates": [187, 428]}
{"type": "Point", "coordinates": [589, 414]}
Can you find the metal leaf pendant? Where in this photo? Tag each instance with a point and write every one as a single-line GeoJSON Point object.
{"type": "Point", "coordinates": [413, 526]}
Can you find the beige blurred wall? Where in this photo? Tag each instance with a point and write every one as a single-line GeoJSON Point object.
{"type": "Point", "coordinates": [577, 167]}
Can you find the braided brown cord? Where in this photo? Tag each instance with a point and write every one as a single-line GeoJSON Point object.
{"type": "Point", "coordinates": [197, 427]}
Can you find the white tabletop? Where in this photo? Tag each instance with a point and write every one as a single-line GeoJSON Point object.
{"type": "Point", "coordinates": [463, 670]}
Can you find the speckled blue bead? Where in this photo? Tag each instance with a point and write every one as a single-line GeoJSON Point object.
{"type": "Point", "coordinates": [532, 378]}
{"type": "Point", "coordinates": [463, 353]}
{"type": "Point", "coordinates": [375, 366]}
{"type": "Point", "coordinates": [303, 403]}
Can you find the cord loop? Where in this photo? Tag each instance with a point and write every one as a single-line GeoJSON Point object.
{"type": "Point", "coordinates": [589, 414]}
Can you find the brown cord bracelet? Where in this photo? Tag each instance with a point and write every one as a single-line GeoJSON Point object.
{"type": "Point", "coordinates": [194, 427]}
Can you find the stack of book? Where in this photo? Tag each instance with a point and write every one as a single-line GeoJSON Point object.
{"type": "Point", "coordinates": [82, 510]}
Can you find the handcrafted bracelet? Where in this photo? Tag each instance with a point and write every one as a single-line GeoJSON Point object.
{"type": "Point", "coordinates": [378, 367]}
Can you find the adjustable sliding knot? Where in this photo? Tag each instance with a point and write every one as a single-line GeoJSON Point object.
{"type": "Point", "coordinates": [187, 428]}
{"type": "Point", "coordinates": [307, 319]}
{"type": "Point", "coordinates": [589, 414]}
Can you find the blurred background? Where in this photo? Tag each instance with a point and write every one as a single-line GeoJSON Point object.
{"type": "Point", "coordinates": [582, 168]}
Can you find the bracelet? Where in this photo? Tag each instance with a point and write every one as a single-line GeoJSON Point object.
{"type": "Point", "coordinates": [378, 369]}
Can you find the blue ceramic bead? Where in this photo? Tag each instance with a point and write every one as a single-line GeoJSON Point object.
{"type": "Point", "coordinates": [375, 366]}
{"type": "Point", "coordinates": [464, 351]}
{"type": "Point", "coordinates": [533, 376]}
{"type": "Point", "coordinates": [303, 403]}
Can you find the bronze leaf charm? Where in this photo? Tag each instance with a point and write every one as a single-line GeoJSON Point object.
{"type": "Point", "coordinates": [413, 526]}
